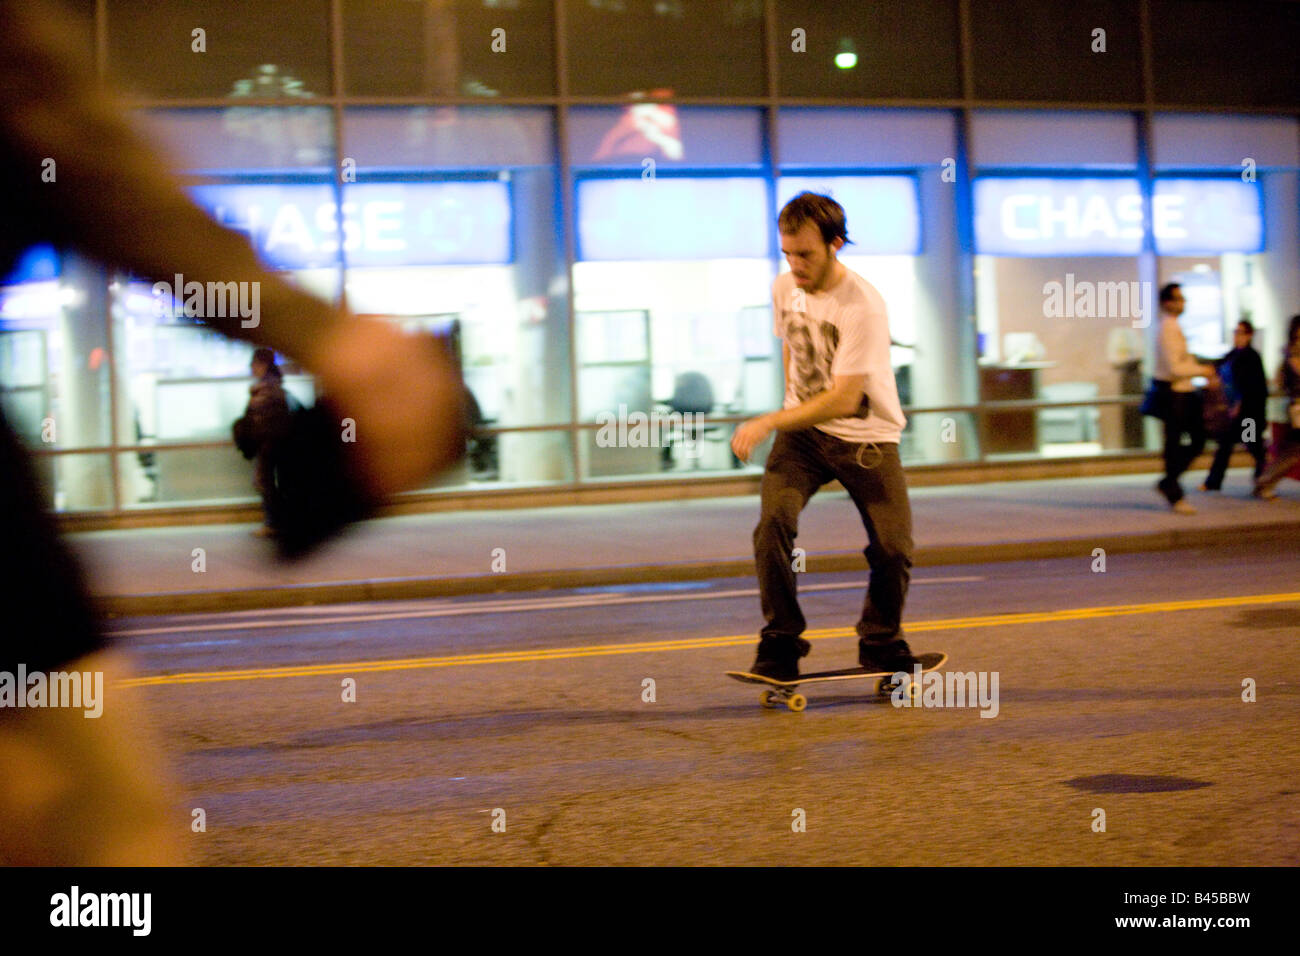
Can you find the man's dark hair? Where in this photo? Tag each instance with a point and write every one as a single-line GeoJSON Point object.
{"type": "Point", "coordinates": [267, 357]}
{"type": "Point", "coordinates": [1167, 291]}
{"type": "Point", "coordinates": [1248, 325]}
{"type": "Point", "coordinates": [822, 211]}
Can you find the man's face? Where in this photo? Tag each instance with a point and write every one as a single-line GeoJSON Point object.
{"type": "Point", "coordinates": [811, 260]}
{"type": "Point", "coordinates": [1241, 337]}
{"type": "Point", "coordinates": [1175, 304]}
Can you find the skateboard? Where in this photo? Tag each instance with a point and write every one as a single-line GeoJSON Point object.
{"type": "Point", "coordinates": [782, 692]}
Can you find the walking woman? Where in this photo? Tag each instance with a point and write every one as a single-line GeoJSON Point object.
{"type": "Point", "coordinates": [266, 421]}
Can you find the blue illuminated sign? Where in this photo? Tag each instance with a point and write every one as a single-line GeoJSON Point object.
{"type": "Point", "coordinates": [38, 264]}
{"type": "Point", "coordinates": [883, 212]}
{"type": "Point", "coordinates": [384, 224]}
{"type": "Point", "coordinates": [672, 218]}
{"type": "Point", "coordinates": [1198, 217]}
{"type": "Point", "coordinates": [1103, 217]}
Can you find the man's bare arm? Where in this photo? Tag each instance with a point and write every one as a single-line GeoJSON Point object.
{"type": "Point", "coordinates": [841, 399]}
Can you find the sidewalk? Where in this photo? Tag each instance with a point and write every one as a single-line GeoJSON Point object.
{"type": "Point", "coordinates": [151, 571]}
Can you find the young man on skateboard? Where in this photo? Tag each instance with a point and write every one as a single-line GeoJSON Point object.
{"type": "Point", "coordinates": [841, 420]}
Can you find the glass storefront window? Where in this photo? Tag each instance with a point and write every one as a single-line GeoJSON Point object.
{"type": "Point", "coordinates": [400, 48]}
{"type": "Point", "coordinates": [463, 239]}
{"type": "Point", "coordinates": [956, 430]}
{"type": "Point", "coordinates": [266, 172]}
{"type": "Point", "coordinates": [1239, 263]}
{"type": "Point", "coordinates": [1199, 54]}
{"type": "Point", "coordinates": [887, 171]}
{"type": "Point", "coordinates": [676, 47]}
{"type": "Point", "coordinates": [1061, 315]}
{"type": "Point", "coordinates": [1060, 329]}
{"type": "Point", "coordinates": [220, 48]}
{"type": "Point", "coordinates": [1060, 312]}
{"type": "Point", "coordinates": [1065, 50]}
{"type": "Point", "coordinates": [54, 365]}
{"type": "Point", "coordinates": [845, 48]}
{"type": "Point", "coordinates": [672, 286]}
{"type": "Point", "coordinates": [451, 219]}
{"type": "Point", "coordinates": [180, 384]}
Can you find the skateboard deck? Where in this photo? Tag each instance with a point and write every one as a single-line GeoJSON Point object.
{"type": "Point", "coordinates": [783, 692]}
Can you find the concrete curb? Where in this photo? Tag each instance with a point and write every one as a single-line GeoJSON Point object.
{"type": "Point", "coordinates": [338, 592]}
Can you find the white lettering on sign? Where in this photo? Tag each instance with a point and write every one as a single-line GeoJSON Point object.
{"type": "Point", "coordinates": [1028, 217]}
{"type": "Point", "coordinates": [375, 226]}
{"type": "Point", "coordinates": [380, 217]}
{"type": "Point", "coordinates": [1107, 216]}
{"type": "Point", "coordinates": [327, 223]}
{"type": "Point", "coordinates": [1168, 222]}
{"type": "Point", "coordinates": [289, 228]}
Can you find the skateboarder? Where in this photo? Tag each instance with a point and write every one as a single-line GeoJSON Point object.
{"type": "Point", "coordinates": [841, 420]}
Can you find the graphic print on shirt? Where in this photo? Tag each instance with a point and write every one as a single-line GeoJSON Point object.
{"type": "Point", "coordinates": [812, 347]}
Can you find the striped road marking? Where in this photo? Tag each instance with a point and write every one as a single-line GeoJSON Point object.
{"type": "Point", "coordinates": [653, 647]}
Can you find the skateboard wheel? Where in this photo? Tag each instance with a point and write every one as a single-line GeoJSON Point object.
{"type": "Point", "coordinates": [769, 698]}
{"type": "Point", "coordinates": [885, 687]}
{"type": "Point", "coordinates": [797, 702]}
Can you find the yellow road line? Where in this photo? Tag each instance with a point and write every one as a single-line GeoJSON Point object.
{"type": "Point", "coordinates": [648, 647]}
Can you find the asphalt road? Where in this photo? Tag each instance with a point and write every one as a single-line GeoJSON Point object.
{"type": "Point", "coordinates": [595, 726]}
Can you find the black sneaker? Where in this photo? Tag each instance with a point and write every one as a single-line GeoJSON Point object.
{"type": "Point", "coordinates": [885, 657]}
{"type": "Point", "coordinates": [778, 657]}
{"type": "Point", "coordinates": [770, 667]}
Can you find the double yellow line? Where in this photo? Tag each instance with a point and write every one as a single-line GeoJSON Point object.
{"type": "Point", "coordinates": [651, 647]}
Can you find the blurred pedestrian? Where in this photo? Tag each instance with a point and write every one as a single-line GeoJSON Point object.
{"type": "Point", "coordinates": [263, 428]}
{"type": "Point", "coordinates": [1246, 387]}
{"type": "Point", "coordinates": [1287, 453]}
{"type": "Point", "coordinates": [1182, 411]}
{"type": "Point", "coordinates": [93, 791]}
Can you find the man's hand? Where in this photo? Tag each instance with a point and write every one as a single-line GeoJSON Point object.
{"type": "Point", "coordinates": [750, 435]}
{"type": "Point", "coordinates": [404, 395]}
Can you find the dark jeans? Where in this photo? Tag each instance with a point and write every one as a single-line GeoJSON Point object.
{"type": "Point", "coordinates": [1186, 416]}
{"type": "Point", "coordinates": [800, 463]}
{"type": "Point", "coordinates": [1228, 440]}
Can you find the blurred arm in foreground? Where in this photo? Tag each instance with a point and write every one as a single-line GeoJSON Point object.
{"type": "Point", "coordinates": [80, 790]}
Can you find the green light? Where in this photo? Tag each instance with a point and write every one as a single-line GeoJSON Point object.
{"type": "Point", "coordinates": [846, 61]}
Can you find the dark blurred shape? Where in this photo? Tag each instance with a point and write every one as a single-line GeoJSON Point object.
{"type": "Point", "coordinates": [315, 493]}
{"type": "Point", "coordinates": [699, 47]}
{"type": "Point", "coordinates": [1043, 50]}
{"type": "Point", "coordinates": [906, 49]}
{"type": "Point", "coordinates": [1132, 783]}
{"type": "Point", "coordinates": [446, 48]}
{"type": "Point", "coordinates": [1219, 54]}
{"type": "Point", "coordinates": [151, 47]}
{"type": "Point", "coordinates": [317, 489]}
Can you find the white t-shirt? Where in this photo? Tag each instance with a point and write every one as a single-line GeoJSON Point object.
{"type": "Point", "coordinates": [1173, 364]}
{"type": "Point", "coordinates": [843, 330]}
